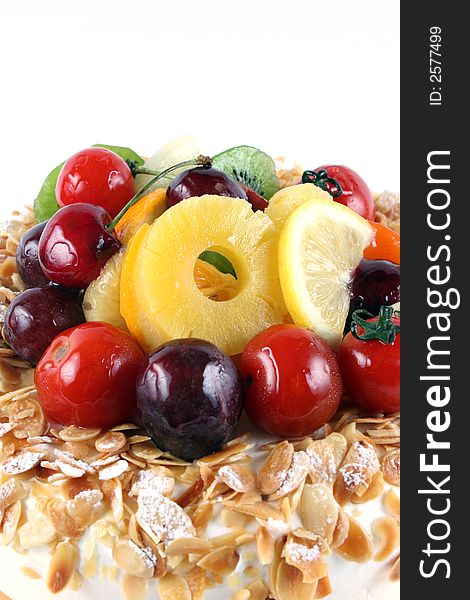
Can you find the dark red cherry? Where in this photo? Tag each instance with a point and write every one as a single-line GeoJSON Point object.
{"type": "Point", "coordinates": [75, 245]}
{"type": "Point", "coordinates": [27, 258]}
{"type": "Point", "coordinates": [200, 181]}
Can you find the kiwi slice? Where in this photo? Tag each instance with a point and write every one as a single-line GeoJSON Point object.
{"type": "Point", "coordinates": [251, 167]}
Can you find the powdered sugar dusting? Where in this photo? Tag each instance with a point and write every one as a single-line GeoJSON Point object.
{"type": "Point", "coordinates": [164, 517]}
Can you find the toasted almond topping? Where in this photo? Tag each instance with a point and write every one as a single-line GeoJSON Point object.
{"type": "Point", "coordinates": [324, 588]}
{"type": "Point", "coordinates": [164, 517]}
{"type": "Point", "coordinates": [21, 462]}
{"type": "Point", "coordinates": [196, 580]}
{"type": "Point", "coordinates": [258, 590]}
{"type": "Point", "coordinates": [228, 451]}
{"type": "Point", "coordinates": [191, 494]}
{"type": "Point", "coordinates": [201, 517]}
{"type": "Point", "coordinates": [77, 434]}
{"type": "Point", "coordinates": [264, 546]}
{"type": "Point", "coordinates": [27, 416]}
{"type": "Point", "coordinates": [11, 518]}
{"type": "Point", "coordinates": [358, 545]}
{"type": "Point", "coordinates": [307, 555]}
{"type": "Point", "coordinates": [228, 538]}
{"type": "Point", "coordinates": [238, 478]}
{"type": "Point", "coordinates": [290, 585]}
{"type": "Point", "coordinates": [259, 510]}
{"type": "Point", "coordinates": [146, 450]}
{"type": "Point", "coordinates": [174, 587]}
{"type": "Point", "coordinates": [114, 470]}
{"type": "Point", "coordinates": [62, 567]}
{"type": "Point", "coordinates": [341, 530]}
{"type": "Point", "coordinates": [375, 489]}
{"type": "Point", "coordinates": [322, 463]}
{"type": "Point", "coordinates": [234, 520]}
{"type": "Point", "coordinates": [85, 507]}
{"type": "Point", "coordinates": [133, 588]}
{"type": "Point", "coordinates": [11, 491]}
{"type": "Point", "coordinates": [134, 560]}
{"type": "Point", "coordinates": [394, 575]}
{"type": "Point", "coordinates": [242, 594]}
{"type": "Point", "coordinates": [319, 510]}
{"type": "Point", "coordinates": [391, 467]}
{"type": "Point", "coordinates": [153, 478]}
{"type": "Point", "coordinates": [392, 504]}
{"type": "Point", "coordinates": [104, 462]}
{"type": "Point", "coordinates": [274, 471]}
{"type": "Point", "coordinates": [37, 531]}
{"type": "Point", "coordinates": [221, 561]}
{"type": "Point", "coordinates": [4, 596]}
{"type": "Point", "coordinates": [295, 476]}
{"type": "Point", "coordinates": [188, 545]}
{"type": "Point", "coordinates": [111, 442]}
{"type": "Point", "coordinates": [112, 490]}
{"type": "Point", "coordinates": [31, 573]}
{"type": "Point", "coordinates": [387, 530]}
{"type": "Point", "coordinates": [6, 428]}
{"type": "Point", "coordinates": [68, 458]}
{"type": "Point", "coordinates": [63, 523]}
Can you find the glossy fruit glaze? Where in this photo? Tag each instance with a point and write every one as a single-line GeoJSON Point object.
{"type": "Point", "coordinates": [87, 376]}
{"type": "Point", "coordinates": [96, 176]}
{"type": "Point", "coordinates": [36, 316]}
{"type": "Point", "coordinates": [27, 259]}
{"type": "Point", "coordinates": [200, 181]}
{"type": "Point", "coordinates": [75, 245]}
{"type": "Point", "coordinates": [189, 397]}
{"type": "Point", "coordinates": [292, 380]}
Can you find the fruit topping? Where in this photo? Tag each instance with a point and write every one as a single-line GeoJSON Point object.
{"type": "Point", "coordinates": [36, 316]}
{"type": "Point", "coordinates": [369, 358]}
{"type": "Point", "coordinates": [87, 376]}
{"type": "Point", "coordinates": [101, 301]}
{"type": "Point", "coordinates": [200, 181]}
{"type": "Point", "coordinates": [292, 381]}
{"type": "Point", "coordinates": [165, 291]}
{"type": "Point", "coordinates": [346, 187]}
{"type": "Point", "coordinates": [374, 283]}
{"type": "Point", "coordinates": [321, 244]}
{"type": "Point", "coordinates": [251, 167]}
{"type": "Point", "coordinates": [75, 245]}
{"type": "Point", "coordinates": [385, 245]}
{"type": "Point", "coordinates": [95, 176]}
{"type": "Point", "coordinates": [146, 210]}
{"type": "Point", "coordinates": [27, 259]}
{"type": "Point", "coordinates": [189, 398]}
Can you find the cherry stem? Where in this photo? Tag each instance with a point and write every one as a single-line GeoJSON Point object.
{"type": "Point", "coordinates": [320, 179]}
{"type": "Point", "coordinates": [203, 161]}
{"type": "Point", "coordinates": [384, 329]}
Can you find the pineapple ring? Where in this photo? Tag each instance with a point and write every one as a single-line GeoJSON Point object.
{"type": "Point", "coordinates": [164, 273]}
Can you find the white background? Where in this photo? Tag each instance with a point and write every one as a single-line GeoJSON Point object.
{"type": "Point", "coordinates": [315, 81]}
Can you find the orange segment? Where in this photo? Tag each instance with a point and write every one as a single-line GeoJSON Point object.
{"type": "Point", "coordinates": [146, 210]}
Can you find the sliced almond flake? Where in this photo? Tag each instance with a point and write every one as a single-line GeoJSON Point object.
{"type": "Point", "coordinates": [41, 439]}
{"type": "Point", "coordinates": [113, 495]}
{"type": "Point", "coordinates": [11, 491]}
{"type": "Point", "coordinates": [307, 555]}
{"type": "Point", "coordinates": [274, 471]}
{"type": "Point", "coordinates": [188, 545]}
{"type": "Point", "coordinates": [37, 531]}
{"type": "Point", "coordinates": [319, 510]}
{"type": "Point", "coordinates": [391, 467]}
{"type": "Point", "coordinates": [138, 462]}
{"type": "Point", "coordinates": [295, 476]}
{"type": "Point", "coordinates": [63, 522]}
{"type": "Point", "coordinates": [341, 529]}
{"type": "Point", "coordinates": [375, 489]}
{"type": "Point", "coordinates": [357, 546]}
{"type": "Point", "coordinates": [11, 518]}
{"type": "Point", "coordinates": [196, 580]}
{"type": "Point", "coordinates": [146, 450]}
{"type": "Point", "coordinates": [242, 594]}
{"type": "Point", "coordinates": [163, 516]}
{"type": "Point", "coordinates": [114, 470]}
{"type": "Point", "coordinates": [258, 590]}
{"type": "Point", "coordinates": [6, 428]}
{"type": "Point", "coordinates": [259, 510]}
{"type": "Point", "coordinates": [191, 494]}
{"type": "Point", "coordinates": [133, 531]}
{"type": "Point", "coordinates": [22, 462]}
{"type": "Point", "coordinates": [134, 560]}
{"type": "Point", "coordinates": [17, 394]}
{"type": "Point", "coordinates": [69, 470]}
{"type": "Point", "coordinates": [153, 479]}
{"type": "Point", "coordinates": [324, 588]}
{"type": "Point", "coordinates": [133, 588]}
{"type": "Point", "coordinates": [237, 478]}
{"type": "Point", "coordinates": [387, 530]}
{"type": "Point", "coordinates": [201, 517]}
{"type": "Point", "coordinates": [138, 439]}
{"type": "Point", "coordinates": [85, 507]}
{"type": "Point", "coordinates": [125, 427]}
{"type": "Point", "coordinates": [104, 462]}
{"type": "Point", "coordinates": [174, 587]}
{"type": "Point", "coordinates": [228, 538]}
{"type": "Point", "coordinates": [234, 520]}
{"type": "Point", "coordinates": [392, 504]}
{"type": "Point", "coordinates": [77, 434]}
{"type": "Point", "coordinates": [264, 546]}
{"type": "Point", "coordinates": [229, 450]}
{"type": "Point", "coordinates": [62, 567]}
{"type": "Point", "coordinates": [111, 441]}
{"type": "Point", "coordinates": [79, 450]}
{"type": "Point", "coordinates": [31, 573]}
{"type": "Point", "coordinates": [221, 561]}
{"type": "Point", "coordinates": [322, 463]}
{"type": "Point", "coordinates": [394, 575]}
{"type": "Point", "coordinates": [57, 478]}
{"type": "Point", "coordinates": [290, 585]}
{"type": "Point", "coordinates": [71, 460]}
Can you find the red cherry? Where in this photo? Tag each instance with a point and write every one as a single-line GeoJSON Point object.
{"type": "Point", "coordinates": [355, 194]}
{"type": "Point", "coordinates": [293, 384]}
{"type": "Point", "coordinates": [256, 201]}
{"type": "Point", "coordinates": [96, 176]}
{"type": "Point", "coordinates": [75, 245]}
{"type": "Point", "coordinates": [87, 376]}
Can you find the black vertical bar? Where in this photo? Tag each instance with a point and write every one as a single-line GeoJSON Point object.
{"type": "Point", "coordinates": [433, 121]}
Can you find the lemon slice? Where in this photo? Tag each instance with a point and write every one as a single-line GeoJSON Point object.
{"type": "Point", "coordinates": [285, 201]}
{"type": "Point", "coordinates": [319, 247]}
